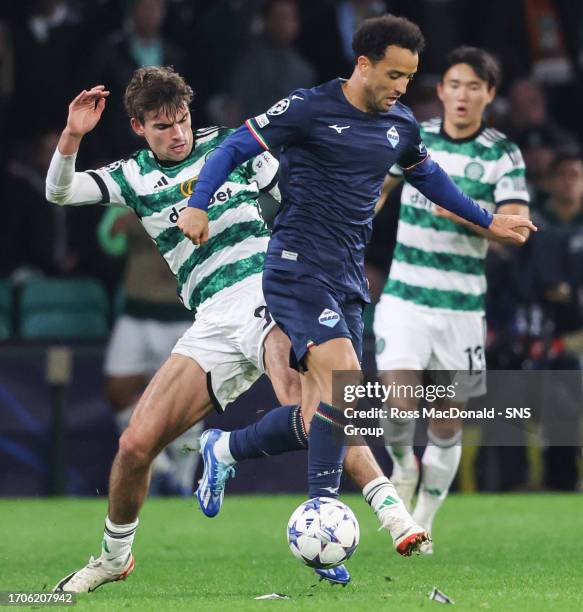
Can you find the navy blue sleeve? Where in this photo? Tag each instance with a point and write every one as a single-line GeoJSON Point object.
{"type": "Point", "coordinates": [232, 152]}
{"type": "Point", "coordinates": [433, 182]}
{"type": "Point", "coordinates": [286, 122]}
{"type": "Point", "coordinates": [416, 152]}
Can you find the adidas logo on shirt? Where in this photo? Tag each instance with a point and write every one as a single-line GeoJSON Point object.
{"type": "Point", "coordinates": [161, 183]}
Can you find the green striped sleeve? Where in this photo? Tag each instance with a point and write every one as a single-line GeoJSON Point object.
{"type": "Point", "coordinates": [448, 262]}
{"type": "Point", "coordinates": [435, 298]}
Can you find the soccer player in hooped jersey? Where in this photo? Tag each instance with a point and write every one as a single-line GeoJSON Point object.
{"type": "Point", "coordinates": [233, 339]}
{"type": "Point", "coordinates": [338, 142]}
{"type": "Point", "coordinates": [431, 313]}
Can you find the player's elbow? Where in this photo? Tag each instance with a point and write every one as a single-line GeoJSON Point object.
{"type": "Point", "coordinates": [55, 195]}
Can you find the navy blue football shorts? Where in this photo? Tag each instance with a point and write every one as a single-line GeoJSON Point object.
{"type": "Point", "coordinates": [309, 313]}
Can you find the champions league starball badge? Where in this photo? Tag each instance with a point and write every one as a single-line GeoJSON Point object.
{"type": "Point", "coordinates": [279, 108]}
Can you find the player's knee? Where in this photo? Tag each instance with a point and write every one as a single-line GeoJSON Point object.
{"type": "Point", "coordinates": [287, 388]}
{"type": "Point", "coordinates": [135, 449]}
{"type": "Point", "coordinates": [445, 428]}
{"type": "Point", "coordinates": [346, 360]}
{"type": "Point", "coordinates": [334, 354]}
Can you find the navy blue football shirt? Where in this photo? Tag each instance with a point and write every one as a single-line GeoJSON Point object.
{"type": "Point", "coordinates": [334, 158]}
{"type": "Point", "coordinates": [333, 161]}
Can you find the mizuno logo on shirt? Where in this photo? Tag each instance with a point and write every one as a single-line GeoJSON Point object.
{"type": "Point", "coordinates": [339, 128]}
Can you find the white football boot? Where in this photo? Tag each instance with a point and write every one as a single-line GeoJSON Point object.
{"type": "Point", "coordinates": [407, 535]}
{"type": "Point", "coordinates": [96, 573]}
{"type": "Point", "coordinates": [426, 548]}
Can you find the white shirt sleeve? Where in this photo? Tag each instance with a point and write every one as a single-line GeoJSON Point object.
{"type": "Point", "coordinates": [511, 182]}
{"type": "Point", "coordinates": [64, 186]}
{"type": "Point", "coordinates": [263, 171]}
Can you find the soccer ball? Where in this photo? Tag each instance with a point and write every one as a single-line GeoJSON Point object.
{"type": "Point", "coordinates": [323, 532]}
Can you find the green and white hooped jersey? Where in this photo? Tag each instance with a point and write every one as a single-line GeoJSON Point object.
{"type": "Point", "coordinates": [437, 263]}
{"type": "Point", "coordinates": [157, 193]}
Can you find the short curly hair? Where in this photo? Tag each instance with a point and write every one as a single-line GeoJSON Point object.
{"type": "Point", "coordinates": [374, 35]}
{"type": "Point", "coordinates": [156, 88]}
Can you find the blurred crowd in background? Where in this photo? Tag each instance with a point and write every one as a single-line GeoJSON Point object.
{"type": "Point", "coordinates": [241, 56]}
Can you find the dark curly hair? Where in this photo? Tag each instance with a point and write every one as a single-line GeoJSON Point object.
{"type": "Point", "coordinates": [156, 88]}
{"type": "Point", "coordinates": [483, 64]}
{"type": "Point", "coordinates": [374, 35]}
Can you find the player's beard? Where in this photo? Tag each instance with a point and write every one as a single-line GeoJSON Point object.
{"type": "Point", "coordinates": [374, 102]}
{"type": "Point", "coordinates": [378, 107]}
{"type": "Point", "coordinates": [372, 105]}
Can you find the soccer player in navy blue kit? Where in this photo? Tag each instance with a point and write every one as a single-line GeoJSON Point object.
{"type": "Point", "coordinates": [338, 142]}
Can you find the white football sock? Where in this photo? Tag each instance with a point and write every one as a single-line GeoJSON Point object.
{"type": "Point", "coordinates": [388, 506]}
{"type": "Point", "coordinates": [222, 450]}
{"type": "Point", "coordinates": [399, 440]}
{"type": "Point", "coordinates": [117, 541]}
{"type": "Point", "coordinates": [381, 495]}
{"type": "Point", "coordinates": [403, 459]}
{"type": "Point", "coordinates": [440, 463]}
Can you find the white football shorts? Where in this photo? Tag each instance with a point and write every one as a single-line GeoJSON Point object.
{"type": "Point", "coordinates": [226, 340]}
{"type": "Point", "coordinates": [409, 337]}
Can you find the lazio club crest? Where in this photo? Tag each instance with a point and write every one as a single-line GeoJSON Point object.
{"type": "Point", "coordinates": [393, 136]}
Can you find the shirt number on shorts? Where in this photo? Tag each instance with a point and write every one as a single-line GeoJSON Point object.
{"type": "Point", "coordinates": [261, 312]}
{"type": "Point", "coordinates": [476, 362]}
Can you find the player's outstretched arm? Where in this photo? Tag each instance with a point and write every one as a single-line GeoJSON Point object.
{"type": "Point", "coordinates": [516, 209]}
{"type": "Point", "coordinates": [232, 152]}
{"type": "Point", "coordinates": [433, 182]}
{"type": "Point", "coordinates": [64, 185]}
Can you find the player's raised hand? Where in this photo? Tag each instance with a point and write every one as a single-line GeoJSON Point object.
{"type": "Point", "coordinates": [508, 226]}
{"type": "Point", "coordinates": [85, 110]}
{"type": "Point", "coordinates": [194, 224]}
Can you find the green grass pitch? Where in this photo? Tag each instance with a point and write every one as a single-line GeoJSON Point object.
{"type": "Point", "coordinates": [513, 552]}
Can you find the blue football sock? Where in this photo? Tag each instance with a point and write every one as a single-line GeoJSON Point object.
{"type": "Point", "coordinates": [279, 431]}
{"type": "Point", "coordinates": [325, 451]}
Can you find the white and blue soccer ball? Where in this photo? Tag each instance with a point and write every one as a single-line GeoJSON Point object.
{"type": "Point", "coordinates": [323, 532]}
